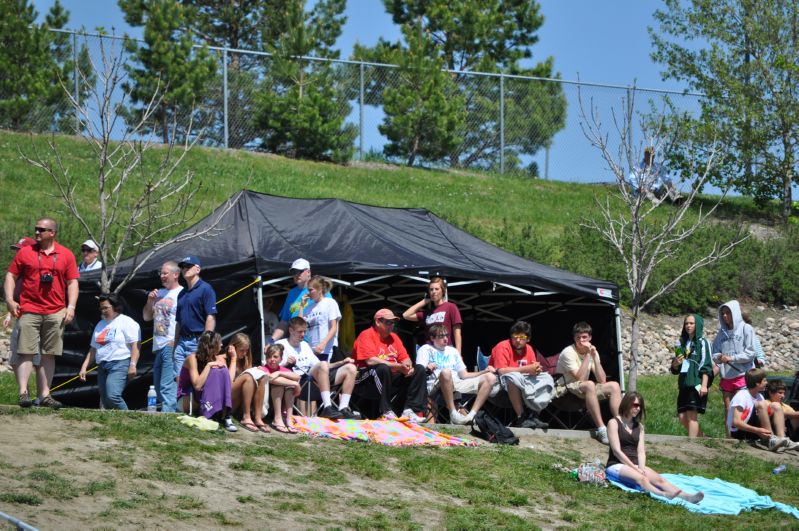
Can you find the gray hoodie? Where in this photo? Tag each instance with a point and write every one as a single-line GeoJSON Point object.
{"type": "Point", "coordinates": [737, 343]}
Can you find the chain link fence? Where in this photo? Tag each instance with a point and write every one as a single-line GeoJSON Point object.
{"type": "Point", "coordinates": [510, 124]}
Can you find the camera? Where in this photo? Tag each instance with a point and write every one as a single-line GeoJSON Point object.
{"type": "Point", "coordinates": [45, 278]}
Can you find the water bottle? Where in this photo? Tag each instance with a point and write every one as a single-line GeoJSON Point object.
{"type": "Point", "coordinates": [780, 469]}
{"type": "Point", "coordinates": [152, 398]}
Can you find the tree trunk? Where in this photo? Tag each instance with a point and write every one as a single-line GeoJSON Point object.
{"type": "Point", "coordinates": [632, 382]}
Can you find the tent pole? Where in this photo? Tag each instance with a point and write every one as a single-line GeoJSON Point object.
{"type": "Point", "coordinates": [261, 315]}
{"type": "Point", "coordinates": [617, 311]}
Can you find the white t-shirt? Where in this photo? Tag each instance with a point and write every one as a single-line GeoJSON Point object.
{"type": "Point", "coordinates": [742, 399]}
{"type": "Point", "coordinates": [112, 338]}
{"type": "Point", "coordinates": [304, 356]}
{"type": "Point", "coordinates": [164, 309]}
{"type": "Point", "coordinates": [449, 358]}
{"type": "Point", "coordinates": [319, 314]}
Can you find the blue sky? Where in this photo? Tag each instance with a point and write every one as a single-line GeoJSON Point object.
{"type": "Point", "coordinates": [601, 42]}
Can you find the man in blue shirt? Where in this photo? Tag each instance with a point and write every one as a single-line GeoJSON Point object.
{"type": "Point", "coordinates": [301, 271]}
{"type": "Point", "coordinates": [196, 310]}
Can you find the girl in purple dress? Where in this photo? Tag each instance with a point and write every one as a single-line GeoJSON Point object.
{"type": "Point", "coordinates": [206, 373]}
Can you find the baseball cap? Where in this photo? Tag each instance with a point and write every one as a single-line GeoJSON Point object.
{"type": "Point", "coordinates": [385, 313]}
{"type": "Point", "coordinates": [300, 264]}
{"type": "Point", "coordinates": [189, 260]}
{"type": "Point", "coordinates": [23, 242]}
{"type": "Point", "coordinates": [90, 244]}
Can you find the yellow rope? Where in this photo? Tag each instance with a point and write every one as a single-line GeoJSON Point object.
{"type": "Point", "coordinates": [220, 301]}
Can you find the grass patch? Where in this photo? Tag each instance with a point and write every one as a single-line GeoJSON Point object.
{"type": "Point", "coordinates": [107, 487]}
{"type": "Point", "coordinates": [20, 498]}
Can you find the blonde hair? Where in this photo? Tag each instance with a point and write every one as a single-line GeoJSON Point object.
{"type": "Point", "coordinates": [321, 283]}
{"type": "Point", "coordinates": [242, 341]}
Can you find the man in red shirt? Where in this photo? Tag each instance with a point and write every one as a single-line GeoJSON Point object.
{"type": "Point", "coordinates": [385, 371]}
{"type": "Point", "coordinates": [521, 377]}
{"type": "Point", "coordinates": [49, 276]}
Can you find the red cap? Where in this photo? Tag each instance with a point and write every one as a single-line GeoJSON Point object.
{"type": "Point", "coordinates": [24, 242]}
{"type": "Point", "coordinates": [385, 313]}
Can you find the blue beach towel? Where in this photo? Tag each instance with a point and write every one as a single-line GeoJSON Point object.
{"type": "Point", "coordinates": [721, 497]}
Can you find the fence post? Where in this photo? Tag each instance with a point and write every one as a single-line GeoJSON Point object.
{"type": "Point", "coordinates": [360, 114]}
{"type": "Point", "coordinates": [77, 83]}
{"type": "Point", "coordinates": [225, 94]}
{"type": "Point", "coordinates": [502, 124]}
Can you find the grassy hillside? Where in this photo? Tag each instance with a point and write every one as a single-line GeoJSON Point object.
{"type": "Point", "coordinates": [524, 216]}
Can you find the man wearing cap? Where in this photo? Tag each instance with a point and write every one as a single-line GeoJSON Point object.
{"type": "Point", "coordinates": [14, 339]}
{"type": "Point", "coordinates": [385, 371]}
{"type": "Point", "coordinates": [196, 311]}
{"type": "Point", "coordinates": [89, 250]}
{"type": "Point", "coordinates": [301, 271]}
{"type": "Point", "coordinates": [161, 308]}
{"type": "Point", "coordinates": [49, 277]}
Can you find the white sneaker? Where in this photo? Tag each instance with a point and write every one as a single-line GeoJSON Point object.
{"type": "Point", "coordinates": [412, 416]}
{"type": "Point", "coordinates": [229, 426]}
{"type": "Point", "coordinates": [601, 435]}
{"type": "Point", "coordinates": [791, 446]}
{"type": "Point", "coordinates": [389, 415]}
{"type": "Point", "coordinates": [456, 417]}
{"type": "Point", "coordinates": [776, 443]}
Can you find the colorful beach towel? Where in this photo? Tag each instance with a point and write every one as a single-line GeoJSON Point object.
{"type": "Point", "coordinates": [721, 497]}
{"type": "Point", "coordinates": [388, 432]}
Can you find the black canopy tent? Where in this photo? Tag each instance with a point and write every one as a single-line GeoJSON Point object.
{"type": "Point", "coordinates": [377, 257]}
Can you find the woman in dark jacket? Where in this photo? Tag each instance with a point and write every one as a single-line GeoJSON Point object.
{"type": "Point", "coordinates": [693, 362]}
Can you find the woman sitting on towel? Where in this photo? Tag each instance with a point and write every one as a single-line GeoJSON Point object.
{"type": "Point", "coordinates": [627, 457]}
{"type": "Point", "coordinates": [247, 383]}
{"type": "Point", "coordinates": [205, 373]}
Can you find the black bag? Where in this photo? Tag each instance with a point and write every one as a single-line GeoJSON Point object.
{"type": "Point", "coordinates": [491, 429]}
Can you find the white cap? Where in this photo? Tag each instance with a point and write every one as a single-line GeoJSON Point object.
{"type": "Point", "coordinates": [90, 244]}
{"type": "Point", "coordinates": [300, 264]}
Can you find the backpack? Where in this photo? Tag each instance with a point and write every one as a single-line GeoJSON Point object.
{"type": "Point", "coordinates": [492, 430]}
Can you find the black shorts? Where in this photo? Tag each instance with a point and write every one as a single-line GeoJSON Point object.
{"type": "Point", "coordinates": [742, 435]}
{"type": "Point", "coordinates": [688, 399]}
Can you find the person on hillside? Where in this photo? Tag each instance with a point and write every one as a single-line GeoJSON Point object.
{"type": "Point", "coordinates": [750, 417]}
{"type": "Point", "coordinates": [49, 276]}
{"type": "Point", "coordinates": [576, 363]}
{"type": "Point", "coordinates": [115, 349]}
{"type": "Point", "coordinates": [90, 262]}
{"type": "Point", "coordinates": [13, 340]}
{"type": "Point", "coordinates": [322, 314]}
{"type": "Point", "coordinates": [301, 272]}
{"type": "Point", "coordinates": [627, 452]}
{"type": "Point", "coordinates": [529, 389]}
{"type": "Point", "coordinates": [447, 373]}
{"type": "Point", "coordinates": [196, 313]}
{"type": "Point", "coordinates": [733, 351]}
{"type": "Point", "coordinates": [284, 387]}
{"type": "Point", "coordinates": [694, 366]}
{"type": "Point", "coordinates": [298, 356]}
{"type": "Point", "coordinates": [775, 390]}
{"type": "Point", "coordinates": [386, 373]}
{"type": "Point", "coordinates": [435, 309]}
{"type": "Point", "coordinates": [205, 376]}
{"type": "Point", "coordinates": [161, 308]}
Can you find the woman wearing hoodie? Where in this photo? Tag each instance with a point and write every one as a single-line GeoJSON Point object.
{"type": "Point", "coordinates": [692, 362]}
{"type": "Point", "coordinates": [733, 350]}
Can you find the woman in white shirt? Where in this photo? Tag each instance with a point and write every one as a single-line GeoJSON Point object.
{"type": "Point", "coordinates": [115, 349]}
{"type": "Point", "coordinates": [322, 315]}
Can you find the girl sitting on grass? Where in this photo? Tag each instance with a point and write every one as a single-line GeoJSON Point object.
{"type": "Point", "coordinates": [284, 388]}
{"type": "Point", "coordinates": [247, 383]}
{"type": "Point", "coordinates": [206, 373]}
{"type": "Point", "coordinates": [627, 457]}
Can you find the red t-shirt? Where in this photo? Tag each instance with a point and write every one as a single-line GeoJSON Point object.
{"type": "Point", "coordinates": [503, 356]}
{"type": "Point", "coordinates": [29, 264]}
{"type": "Point", "coordinates": [369, 345]}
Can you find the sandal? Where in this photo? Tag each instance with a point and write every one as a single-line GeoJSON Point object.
{"type": "Point", "coordinates": [282, 428]}
{"type": "Point", "coordinates": [263, 428]}
{"type": "Point", "coordinates": [292, 429]}
{"type": "Point", "coordinates": [249, 426]}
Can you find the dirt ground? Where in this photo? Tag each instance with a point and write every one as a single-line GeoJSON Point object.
{"type": "Point", "coordinates": [63, 456]}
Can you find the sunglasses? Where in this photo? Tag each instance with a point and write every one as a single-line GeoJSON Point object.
{"type": "Point", "coordinates": [439, 336]}
{"type": "Point", "coordinates": [636, 404]}
{"type": "Point", "coordinates": [42, 229]}
{"type": "Point", "coordinates": [186, 266]}
{"type": "Point", "coordinates": [388, 322]}
{"type": "Point", "coordinates": [86, 250]}
{"type": "Point", "coordinates": [520, 337]}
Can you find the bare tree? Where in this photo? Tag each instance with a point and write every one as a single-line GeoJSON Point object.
{"type": "Point", "coordinates": [142, 197]}
{"type": "Point", "coordinates": [645, 229]}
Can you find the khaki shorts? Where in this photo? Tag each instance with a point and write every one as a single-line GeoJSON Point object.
{"type": "Point", "coordinates": [41, 331]}
{"type": "Point", "coordinates": [467, 386]}
{"type": "Point", "coordinates": [602, 392]}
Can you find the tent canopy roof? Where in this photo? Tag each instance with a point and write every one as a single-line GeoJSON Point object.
{"type": "Point", "coordinates": [343, 238]}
